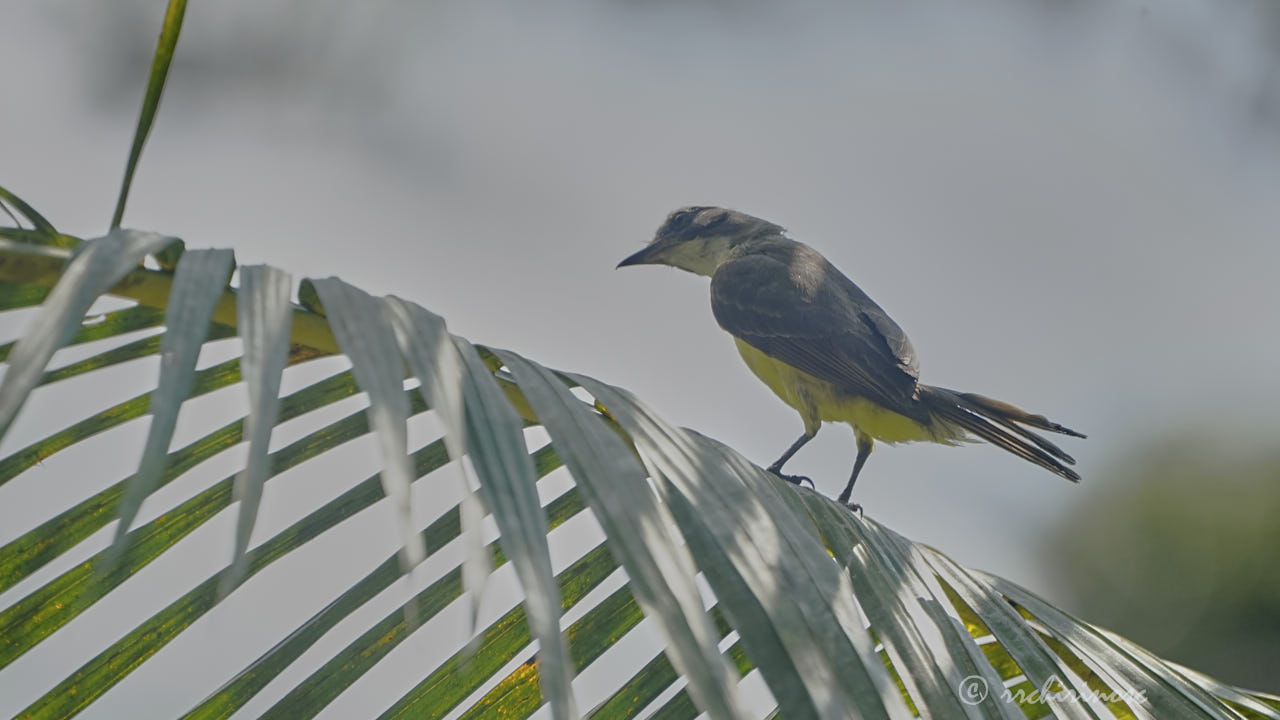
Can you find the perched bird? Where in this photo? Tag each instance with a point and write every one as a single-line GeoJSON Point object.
{"type": "Point", "coordinates": [826, 349]}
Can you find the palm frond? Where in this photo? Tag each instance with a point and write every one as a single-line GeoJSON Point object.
{"type": "Point", "coordinates": [736, 571]}
{"type": "Point", "coordinates": [840, 616]}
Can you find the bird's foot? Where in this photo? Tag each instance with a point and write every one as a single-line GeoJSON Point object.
{"type": "Point", "coordinates": [793, 479]}
{"type": "Point", "coordinates": [845, 501]}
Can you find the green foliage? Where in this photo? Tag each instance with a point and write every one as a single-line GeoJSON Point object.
{"type": "Point", "coordinates": [1189, 536]}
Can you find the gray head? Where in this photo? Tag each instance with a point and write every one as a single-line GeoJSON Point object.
{"type": "Point", "coordinates": [699, 238]}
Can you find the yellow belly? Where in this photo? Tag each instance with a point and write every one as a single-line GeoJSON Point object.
{"type": "Point", "coordinates": [819, 401]}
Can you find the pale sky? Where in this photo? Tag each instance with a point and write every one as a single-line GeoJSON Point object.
{"type": "Point", "coordinates": [1071, 207]}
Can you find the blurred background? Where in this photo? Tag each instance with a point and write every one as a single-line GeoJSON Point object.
{"type": "Point", "coordinates": [1071, 205]}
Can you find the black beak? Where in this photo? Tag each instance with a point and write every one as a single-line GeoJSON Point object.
{"type": "Point", "coordinates": [639, 258]}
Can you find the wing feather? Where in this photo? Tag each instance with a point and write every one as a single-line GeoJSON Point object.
{"type": "Point", "coordinates": [794, 306]}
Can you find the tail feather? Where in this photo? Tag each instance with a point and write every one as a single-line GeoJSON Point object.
{"type": "Point", "coordinates": [1005, 421]}
{"type": "Point", "coordinates": [1001, 424]}
{"type": "Point", "coordinates": [1017, 414]}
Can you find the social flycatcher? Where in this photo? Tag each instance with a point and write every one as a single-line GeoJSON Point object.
{"type": "Point", "coordinates": [827, 349]}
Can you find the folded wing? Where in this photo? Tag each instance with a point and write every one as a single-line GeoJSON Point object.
{"type": "Point", "coordinates": [792, 305]}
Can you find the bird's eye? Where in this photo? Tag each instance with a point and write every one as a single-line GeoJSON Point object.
{"type": "Point", "coordinates": [679, 221]}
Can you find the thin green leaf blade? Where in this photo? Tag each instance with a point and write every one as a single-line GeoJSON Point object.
{"type": "Point", "coordinates": [519, 694]}
{"type": "Point", "coordinates": [15, 295]}
{"type": "Point", "coordinates": [638, 530]}
{"type": "Point", "coordinates": [887, 606]}
{"type": "Point", "coordinates": [850, 646]}
{"type": "Point", "coordinates": [739, 547]}
{"type": "Point", "coordinates": [433, 358]}
{"type": "Point", "coordinates": [99, 264]}
{"type": "Point", "coordinates": [1253, 702]}
{"type": "Point", "coordinates": [1041, 666]}
{"type": "Point", "coordinates": [264, 315]}
{"type": "Point", "coordinates": [956, 654]}
{"type": "Point", "coordinates": [197, 285]}
{"type": "Point", "coordinates": [28, 553]}
{"type": "Point", "coordinates": [118, 322]}
{"type": "Point", "coordinates": [431, 355]}
{"type": "Point", "coordinates": [115, 663]}
{"type": "Point", "coordinates": [1155, 688]}
{"type": "Point", "coordinates": [681, 706]}
{"type": "Point", "coordinates": [444, 687]}
{"type": "Point", "coordinates": [365, 335]}
{"type": "Point", "coordinates": [36, 219]}
{"type": "Point", "coordinates": [151, 100]}
{"type": "Point", "coordinates": [496, 445]}
{"type": "Point", "coordinates": [46, 609]}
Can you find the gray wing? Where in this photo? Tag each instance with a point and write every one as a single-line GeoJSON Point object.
{"type": "Point", "coordinates": [797, 308]}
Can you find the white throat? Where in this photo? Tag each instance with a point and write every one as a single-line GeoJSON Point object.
{"type": "Point", "coordinates": [700, 257]}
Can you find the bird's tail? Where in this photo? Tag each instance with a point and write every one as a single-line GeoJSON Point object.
{"type": "Point", "coordinates": [1002, 425]}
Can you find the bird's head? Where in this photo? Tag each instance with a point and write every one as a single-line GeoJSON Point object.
{"type": "Point", "coordinates": [698, 239]}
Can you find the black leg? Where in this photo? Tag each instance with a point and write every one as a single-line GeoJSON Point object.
{"type": "Point", "coordinates": [776, 467]}
{"type": "Point", "coordinates": [865, 444]}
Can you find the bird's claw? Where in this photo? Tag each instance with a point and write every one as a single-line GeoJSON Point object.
{"type": "Point", "coordinates": [793, 479]}
{"type": "Point", "coordinates": [854, 507]}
